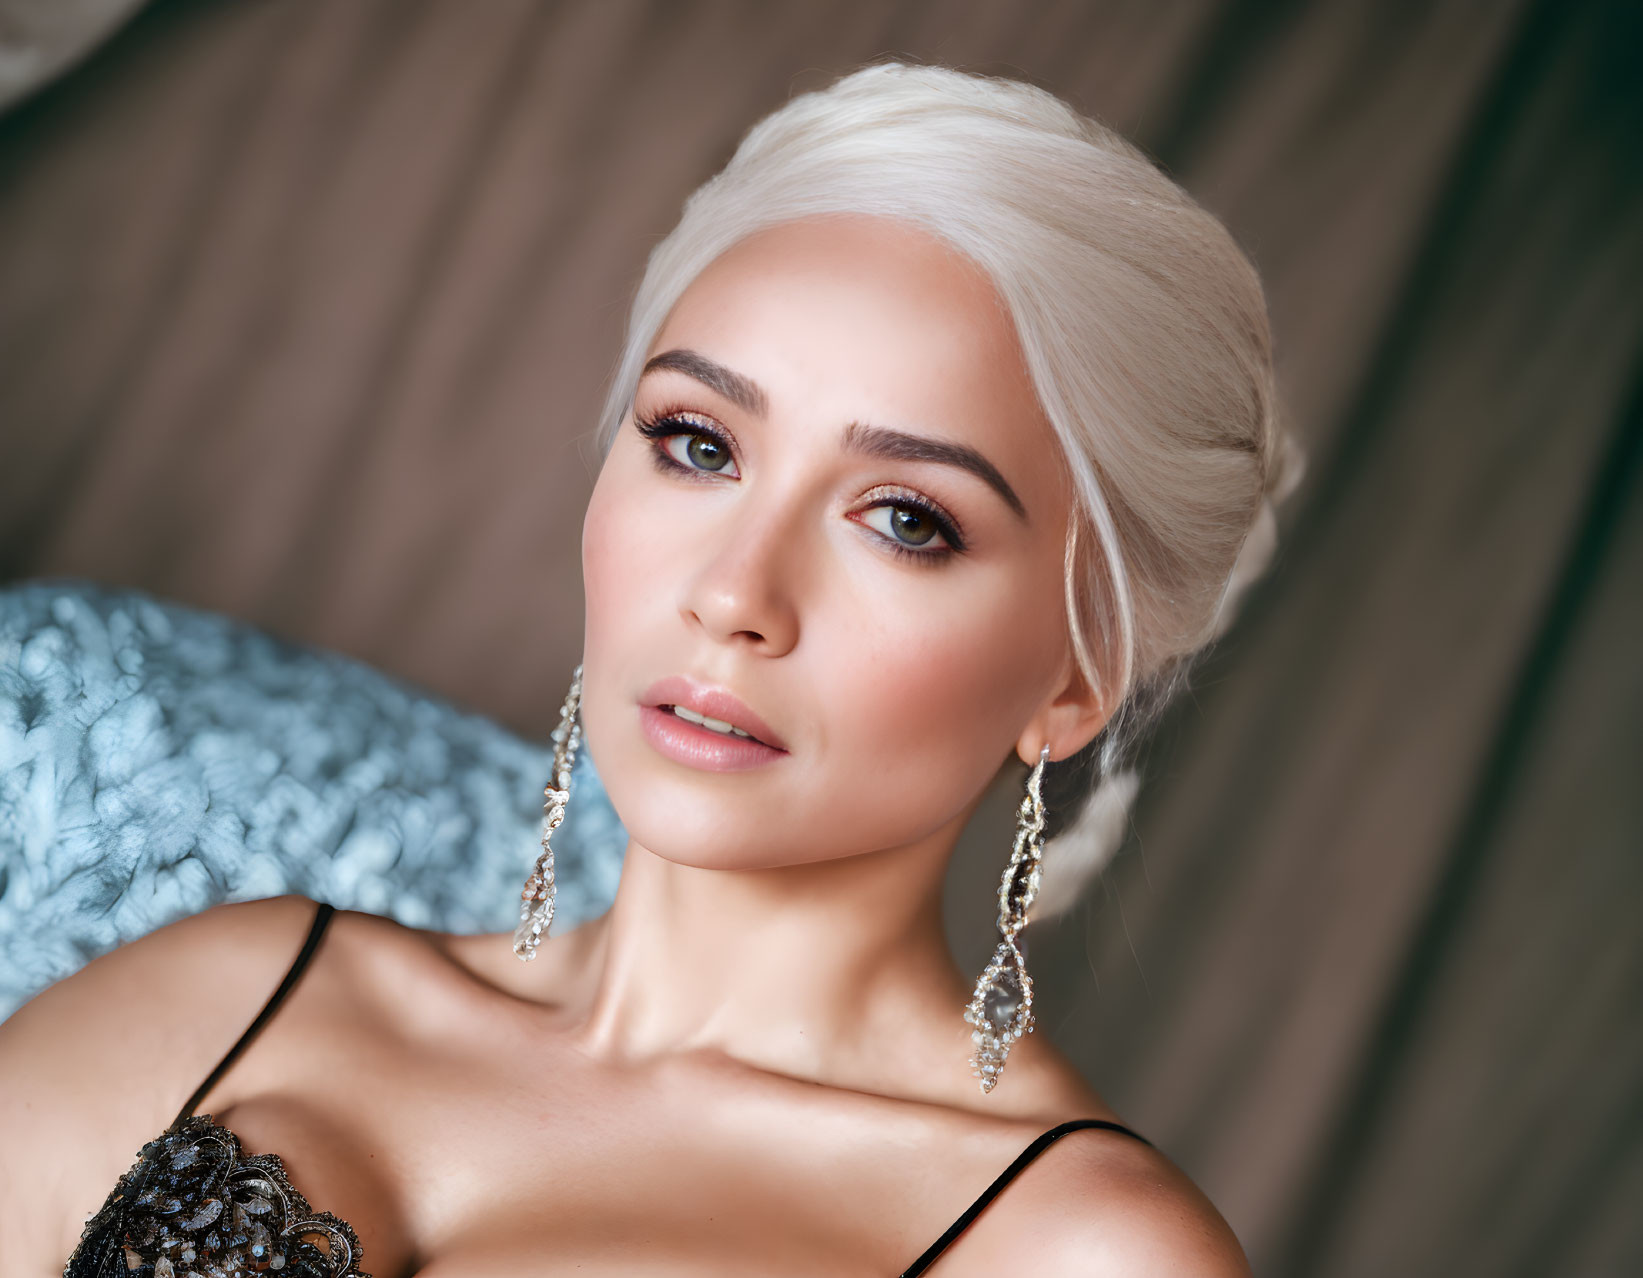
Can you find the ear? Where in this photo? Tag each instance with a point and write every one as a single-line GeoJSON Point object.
{"type": "Point", "coordinates": [1068, 721]}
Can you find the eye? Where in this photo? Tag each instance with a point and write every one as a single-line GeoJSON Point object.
{"type": "Point", "coordinates": [685, 442]}
{"type": "Point", "coordinates": [905, 523]}
{"type": "Point", "coordinates": [697, 450]}
{"type": "Point", "coordinates": [914, 527]}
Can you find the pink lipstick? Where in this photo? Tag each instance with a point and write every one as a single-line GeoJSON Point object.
{"type": "Point", "coordinates": [705, 727]}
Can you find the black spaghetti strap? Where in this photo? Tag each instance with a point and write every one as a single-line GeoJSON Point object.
{"type": "Point", "coordinates": [1010, 1173]}
{"type": "Point", "coordinates": [322, 916]}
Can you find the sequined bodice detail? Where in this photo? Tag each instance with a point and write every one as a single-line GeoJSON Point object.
{"type": "Point", "coordinates": [195, 1205]}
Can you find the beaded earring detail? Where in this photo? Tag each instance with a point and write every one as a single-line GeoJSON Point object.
{"type": "Point", "coordinates": [1001, 1008]}
{"type": "Point", "coordinates": [536, 901]}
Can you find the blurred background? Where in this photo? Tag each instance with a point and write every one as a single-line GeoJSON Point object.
{"type": "Point", "coordinates": [306, 310]}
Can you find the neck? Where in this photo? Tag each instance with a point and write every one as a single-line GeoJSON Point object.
{"type": "Point", "coordinates": [835, 972]}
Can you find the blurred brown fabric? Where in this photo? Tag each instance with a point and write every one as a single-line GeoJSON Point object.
{"type": "Point", "coordinates": [305, 314]}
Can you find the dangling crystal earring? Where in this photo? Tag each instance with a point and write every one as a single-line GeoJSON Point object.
{"type": "Point", "coordinates": [536, 901]}
{"type": "Point", "coordinates": [1001, 1008]}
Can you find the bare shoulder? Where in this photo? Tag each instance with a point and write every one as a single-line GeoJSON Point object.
{"type": "Point", "coordinates": [1099, 1203]}
{"type": "Point", "coordinates": [100, 1062]}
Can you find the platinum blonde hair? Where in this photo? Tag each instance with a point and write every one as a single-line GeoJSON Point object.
{"type": "Point", "coordinates": [1144, 329]}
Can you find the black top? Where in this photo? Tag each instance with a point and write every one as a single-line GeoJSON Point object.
{"type": "Point", "coordinates": [1004, 1178]}
{"type": "Point", "coordinates": [194, 1197]}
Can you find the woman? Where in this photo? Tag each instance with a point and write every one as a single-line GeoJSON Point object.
{"type": "Point", "coordinates": [943, 439]}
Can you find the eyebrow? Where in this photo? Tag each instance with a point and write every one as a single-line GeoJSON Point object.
{"type": "Point", "coordinates": [881, 441]}
{"type": "Point", "coordinates": [868, 441]}
{"type": "Point", "coordinates": [741, 391]}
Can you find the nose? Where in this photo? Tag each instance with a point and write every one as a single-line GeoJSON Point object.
{"type": "Point", "coordinates": [743, 589]}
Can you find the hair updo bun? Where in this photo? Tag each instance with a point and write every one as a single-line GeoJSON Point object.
{"type": "Point", "coordinates": [1144, 329]}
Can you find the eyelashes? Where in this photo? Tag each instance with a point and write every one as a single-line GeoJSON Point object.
{"type": "Point", "coordinates": [676, 422]}
{"type": "Point", "coordinates": [664, 426]}
{"type": "Point", "coordinates": [900, 500]}
{"type": "Point", "coordinates": [671, 425]}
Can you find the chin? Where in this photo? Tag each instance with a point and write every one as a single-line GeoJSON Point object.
{"type": "Point", "coordinates": [701, 846]}
{"type": "Point", "coordinates": [730, 831]}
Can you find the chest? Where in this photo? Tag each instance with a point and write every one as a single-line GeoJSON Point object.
{"type": "Point", "coordinates": [491, 1173]}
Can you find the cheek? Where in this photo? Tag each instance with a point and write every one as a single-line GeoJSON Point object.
{"type": "Point", "coordinates": [604, 563]}
{"type": "Point", "coordinates": [621, 591]}
{"type": "Point", "coordinates": [623, 538]}
{"type": "Point", "coordinates": [928, 696]}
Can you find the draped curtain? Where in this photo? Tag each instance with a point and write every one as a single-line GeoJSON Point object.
{"type": "Point", "coordinates": [305, 314]}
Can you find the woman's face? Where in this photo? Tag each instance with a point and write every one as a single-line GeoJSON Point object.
{"type": "Point", "coordinates": [836, 501]}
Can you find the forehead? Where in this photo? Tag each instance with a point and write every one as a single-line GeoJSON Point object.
{"type": "Point", "coordinates": [854, 318]}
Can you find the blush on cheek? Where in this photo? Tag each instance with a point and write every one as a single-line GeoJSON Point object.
{"type": "Point", "coordinates": [620, 556]}
{"type": "Point", "coordinates": [613, 556]}
{"type": "Point", "coordinates": [928, 712]}
{"type": "Point", "coordinates": [599, 565]}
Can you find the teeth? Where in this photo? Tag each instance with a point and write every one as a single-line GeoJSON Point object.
{"type": "Point", "coordinates": [717, 725]}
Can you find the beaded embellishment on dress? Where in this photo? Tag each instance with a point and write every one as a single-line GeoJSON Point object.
{"type": "Point", "coordinates": [194, 1205]}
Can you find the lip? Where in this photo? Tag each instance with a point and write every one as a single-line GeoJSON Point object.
{"type": "Point", "coordinates": [702, 748]}
{"type": "Point", "coordinates": [713, 703]}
